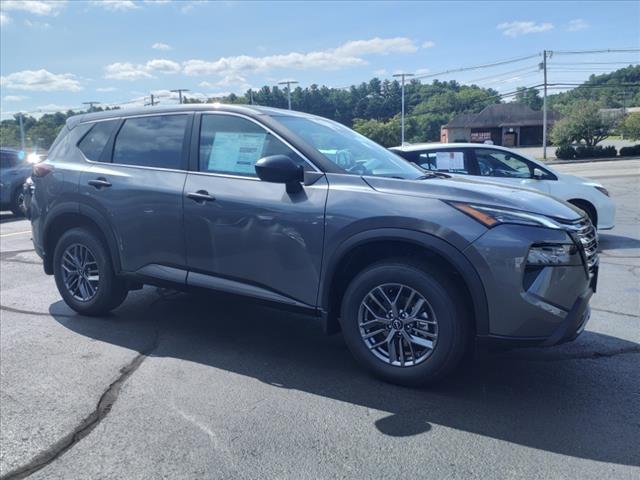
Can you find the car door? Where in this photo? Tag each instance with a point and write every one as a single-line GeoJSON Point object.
{"type": "Point", "coordinates": [136, 182]}
{"type": "Point", "coordinates": [506, 168]}
{"type": "Point", "coordinates": [244, 235]}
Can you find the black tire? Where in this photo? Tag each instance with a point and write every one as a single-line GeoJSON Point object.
{"type": "Point", "coordinates": [17, 200]}
{"type": "Point", "coordinates": [453, 332]}
{"type": "Point", "coordinates": [111, 291]}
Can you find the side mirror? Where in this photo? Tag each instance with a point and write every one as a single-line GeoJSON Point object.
{"type": "Point", "coordinates": [281, 169]}
{"type": "Point", "coordinates": [538, 174]}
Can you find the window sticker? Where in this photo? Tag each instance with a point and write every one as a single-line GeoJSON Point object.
{"type": "Point", "coordinates": [450, 160]}
{"type": "Point", "coordinates": [236, 152]}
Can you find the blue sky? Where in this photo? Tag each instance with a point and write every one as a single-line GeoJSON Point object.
{"type": "Point", "coordinates": [59, 54]}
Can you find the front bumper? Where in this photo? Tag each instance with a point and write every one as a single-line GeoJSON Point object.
{"type": "Point", "coordinates": [547, 307]}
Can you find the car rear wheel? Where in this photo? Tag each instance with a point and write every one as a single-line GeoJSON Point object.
{"type": "Point", "coordinates": [405, 324]}
{"type": "Point", "coordinates": [84, 273]}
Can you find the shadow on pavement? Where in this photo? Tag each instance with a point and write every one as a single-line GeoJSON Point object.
{"type": "Point", "coordinates": [6, 217]}
{"type": "Point", "coordinates": [609, 241]}
{"type": "Point", "coordinates": [583, 407]}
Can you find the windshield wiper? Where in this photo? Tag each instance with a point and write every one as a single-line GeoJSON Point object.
{"type": "Point", "coordinates": [433, 175]}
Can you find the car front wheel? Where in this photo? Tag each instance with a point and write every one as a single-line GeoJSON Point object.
{"type": "Point", "coordinates": [405, 324]}
{"type": "Point", "coordinates": [84, 273]}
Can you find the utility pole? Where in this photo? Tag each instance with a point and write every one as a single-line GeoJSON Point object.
{"type": "Point", "coordinates": [403, 76]}
{"type": "Point", "coordinates": [21, 133]}
{"type": "Point", "coordinates": [544, 106]}
{"type": "Point", "coordinates": [152, 101]}
{"type": "Point", "coordinates": [91, 104]}
{"type": "Point", "coordinates": [179, 92]}
{"type": "Point", "coordinates": [288, 83]}
{"type": "Point", "coordinates": [251, 95]}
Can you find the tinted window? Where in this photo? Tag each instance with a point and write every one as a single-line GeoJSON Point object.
{"type": "Point", "coordinates": [452, 161]}
{"type": "Point", "coordinates": [93, 143]}
{"type": "Point", "coordinates": [151, 141]}
{"type": "Point", "coordinates": [497, 163]}
{"type": "Point", "coordinates": [8, 159]}
{"type": "Point", "coordinates": [233, 145]}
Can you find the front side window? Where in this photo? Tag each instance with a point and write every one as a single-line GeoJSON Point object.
{"type": "Point", "coordinates": [451, 161]}
{"type": "Point", "coordinates": [93, 143]}
{"type": "Point", "coordinates": [498, 163]}
{"type": "Point", "coordinates": [352, 152]}
{"type": "Point", "coordinates": [154, 141]}
{"type": "Point", "coordinates": [232, 145]}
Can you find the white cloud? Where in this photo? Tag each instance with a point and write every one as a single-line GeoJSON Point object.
{"type": "Point", "coordinates": [380, 73]}
{"type": "Point", "coordinates": [422, 71]}
{"type": "Point", "coordinates": [30, 24]}
{"type": "Point", "coordinates": [161, 46]}
{"type": "Point", "coordinates": [429, 44]}
{"type": "Point", "coordinates": [131, 71]}
{"type": "Point", "coordinates": [347, 55]}
{"type": "Point", "coordinates": [14, 98]}
{"type": "Point", "coordinates": [106, 89]}
{"type": "Point", "coordinates": [37, 7]}
{"type": "Point", "coordinates": [41, 80]}
{"type": "Point", "coordinates": [4, 19]}
{"type": "Point", "coordinates": [517, 28]}
{"type": "Point", "coordinates": [577, 25]}
{"type": "Point", "coordinates": [163, 66]}
{"type": "Point", "coordinates": [116, 5]}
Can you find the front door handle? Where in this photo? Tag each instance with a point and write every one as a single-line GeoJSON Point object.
{"type": "Point", "coordinates": [99, 183]}
{"type": "Point", "coordinates": [201, 196]}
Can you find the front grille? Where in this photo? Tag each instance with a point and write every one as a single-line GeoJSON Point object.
{"type": "Point", "coordinates": [587, 237]}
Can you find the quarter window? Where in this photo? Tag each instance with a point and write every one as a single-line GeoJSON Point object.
{"type": "Point", "coordinates": [233, 145]}
{"type": "Point", "coordinates": [93, 143]}
{"type": "Point", "coordinates": [154, 141]}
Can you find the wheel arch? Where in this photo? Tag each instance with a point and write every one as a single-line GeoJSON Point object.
{"type": "Point", "coordinates": [364, 248]}
{"type": "Point", "coordinates": [588, 207]}
{"type": "Point", "coordinates": [66, 218]}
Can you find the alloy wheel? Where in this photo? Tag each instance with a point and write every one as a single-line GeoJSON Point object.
{"type": "Point", "coordinates": [398, 325]}
{"type": "Point", "coordinates": [80, 272]}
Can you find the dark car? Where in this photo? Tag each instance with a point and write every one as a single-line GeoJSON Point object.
{"type": "Point", "coordinates": [14, 170]}
{"type": "Point", "coordinates": [302, 212]}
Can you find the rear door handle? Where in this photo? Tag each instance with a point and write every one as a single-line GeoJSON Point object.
{"type": "Point", "coordinates": [99, 183]}
{"type": "Point", "coordinates": [201, 196]}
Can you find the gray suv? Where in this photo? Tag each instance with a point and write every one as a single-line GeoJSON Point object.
{"type": "Point", "coordinates": [302, 212]}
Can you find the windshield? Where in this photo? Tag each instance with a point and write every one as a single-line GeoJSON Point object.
{"type": "Point", "coordinates": [349, 150]}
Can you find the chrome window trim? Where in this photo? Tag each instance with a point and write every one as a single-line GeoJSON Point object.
{"type": "Point", "coordinates": [261, 125]}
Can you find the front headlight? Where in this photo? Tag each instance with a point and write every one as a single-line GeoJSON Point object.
{"type": "Point", "coordinates": [557, 254]}
{"type": "Point", "coordinates": [492, 216]}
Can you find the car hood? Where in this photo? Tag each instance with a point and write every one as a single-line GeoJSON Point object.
{"type": "Point", "coordinates": [575, 179]}
{"type": "Point", "coordinates": [472, 191]}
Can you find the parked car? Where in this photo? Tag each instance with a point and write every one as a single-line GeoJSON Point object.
{"type": "Point", "coordinates": [507, 167]}
{"type": "Point", "coordinates": [13, 173]}
{"type": "Point", "coordinates": [302, 212]}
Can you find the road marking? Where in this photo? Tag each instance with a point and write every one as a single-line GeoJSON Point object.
{"type": "Point", "coordinates": [14, 233]}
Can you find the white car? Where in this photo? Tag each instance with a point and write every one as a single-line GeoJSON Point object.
{"type": "Point", "coordinates": [504, 166]}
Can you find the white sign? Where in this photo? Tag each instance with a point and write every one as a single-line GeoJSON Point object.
{"type": "Point", "coordinates": [450, 161]}
{"type": "Point", "coordinates": [236, 152]}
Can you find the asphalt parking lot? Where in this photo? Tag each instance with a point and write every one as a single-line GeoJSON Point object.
{"type": "Point", "coordinates": [180, 386]}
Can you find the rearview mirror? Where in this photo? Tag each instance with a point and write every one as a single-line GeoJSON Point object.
{"type": "Point", "coordinates": [281, 169]}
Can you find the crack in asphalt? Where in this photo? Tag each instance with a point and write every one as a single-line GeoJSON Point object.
{"type": "Point", "coordinates": [31, 312]}
{"type": "Point", "coordinates": [13, 253]}
{"type": "Point", "coordinates": [91, 421]}
{"type": "Point", "coordinates": [615, 313]}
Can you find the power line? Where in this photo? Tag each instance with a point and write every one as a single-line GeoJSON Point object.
{"type": "Point", "coordinates": [584, 52]}
{"type": "Point", "coordinates": [478, 67]}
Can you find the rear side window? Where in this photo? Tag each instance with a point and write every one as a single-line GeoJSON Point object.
{"type": "Point", "coordinates": [151, 141]}
{"type": "Point", "coordinates": [93, 143]}
{"type": "Point", "coordinates": [452, 161]}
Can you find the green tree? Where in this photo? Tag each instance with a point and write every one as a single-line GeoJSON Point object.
{"type": "Point", "coordinates": [529, 96]}
{"type": "Point", "coordinates": [582, 123]}
{"type": "Point", "coordinates": [630, 126]}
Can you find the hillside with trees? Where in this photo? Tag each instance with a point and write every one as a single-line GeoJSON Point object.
{"type": "Point", "coordinates": [373, 107]}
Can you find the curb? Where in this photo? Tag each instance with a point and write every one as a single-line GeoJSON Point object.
{"type": "Point", "coordinates": [589, 160]}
